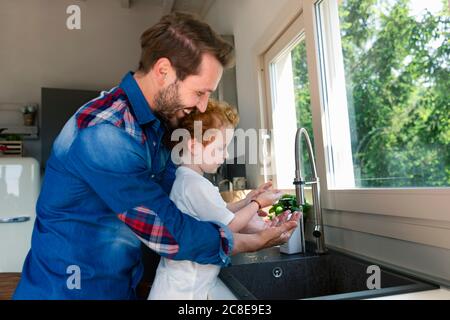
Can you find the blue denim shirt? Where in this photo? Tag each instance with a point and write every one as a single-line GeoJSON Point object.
{"type": "Point", "coordinates": [106, 189]}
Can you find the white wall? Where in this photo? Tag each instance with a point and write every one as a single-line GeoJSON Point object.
{"type": "Point", "coordinates": [255, 25]}
{"type": "Point", "coordinates": [37, 50]}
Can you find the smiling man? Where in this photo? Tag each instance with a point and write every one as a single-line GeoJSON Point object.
{"type": "Point", "coordinates": [109, 175]}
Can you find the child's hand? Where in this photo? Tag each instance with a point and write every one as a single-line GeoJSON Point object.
{"type": "Point", "coordinates": [262, 213]}
{"type": "Point", "coordinates": [269, 197]}
{"type": "Point", "coordinates": [254, 193]}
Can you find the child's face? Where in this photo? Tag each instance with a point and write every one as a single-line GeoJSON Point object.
{"type": "Point", "coordinates": [215, 153]}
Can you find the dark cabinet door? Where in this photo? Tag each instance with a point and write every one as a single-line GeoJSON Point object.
{"type": "Point", "coordinates": [57, 106]}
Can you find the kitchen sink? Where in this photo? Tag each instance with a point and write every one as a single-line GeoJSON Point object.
{"type": "Point", "coordinates": [332, 276]}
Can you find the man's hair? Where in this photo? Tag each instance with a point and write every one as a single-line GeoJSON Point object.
{"type": "Point", "coordinates": [218, 114]}
{"type": "Point", "coordinates": [183, 39]}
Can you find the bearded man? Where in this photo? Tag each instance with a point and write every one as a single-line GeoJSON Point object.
{"type": "Point", "coordinates": [107, 183]}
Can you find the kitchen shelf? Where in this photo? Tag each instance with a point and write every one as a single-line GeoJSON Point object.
{"type": "Point", "coordinates": [28, 132]}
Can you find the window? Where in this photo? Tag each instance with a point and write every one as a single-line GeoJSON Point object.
{"type": "Point", "coordinates": [407, 133]}
{"type": "Point", "coordinates": [287, 75]}
{"type": "Point", "coordinates": [374, 101]}
{"type": "Point", "coordinates": [393, 57]}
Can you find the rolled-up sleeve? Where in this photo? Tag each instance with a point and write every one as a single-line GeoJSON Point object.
{"type": "Point", "coordinates": [114, 165]}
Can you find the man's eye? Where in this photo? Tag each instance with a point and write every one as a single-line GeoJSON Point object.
{"type": "Point", "coordinates": [199, 93]}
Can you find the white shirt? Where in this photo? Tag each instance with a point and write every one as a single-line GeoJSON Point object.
{"type": "Point", "coordinates": [193, 194]}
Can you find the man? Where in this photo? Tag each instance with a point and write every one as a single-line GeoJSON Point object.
{"type": "Point", "coordinates": [109, 175]}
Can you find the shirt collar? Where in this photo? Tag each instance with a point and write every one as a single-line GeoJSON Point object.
{"type": "Point", "coordinates": [141, 108]}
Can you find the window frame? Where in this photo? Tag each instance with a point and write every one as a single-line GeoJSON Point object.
{"type": "Point", "coordinates": [291, 36]}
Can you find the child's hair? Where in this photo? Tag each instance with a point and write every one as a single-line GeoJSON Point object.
{"type": "Point", "coordinates": [218, 114]}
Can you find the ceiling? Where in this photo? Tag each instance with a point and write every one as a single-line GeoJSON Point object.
{"type": "Point", "coordinates": [199, 7]}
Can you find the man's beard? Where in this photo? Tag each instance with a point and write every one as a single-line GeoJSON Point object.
{"type": "Point", "coordinates": [167, 103]}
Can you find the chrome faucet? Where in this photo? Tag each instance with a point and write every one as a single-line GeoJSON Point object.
{"type": "Point", "coordinates": [300, 183]}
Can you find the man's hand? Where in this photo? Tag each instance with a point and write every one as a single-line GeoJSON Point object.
{"type": "Point", "coordinates": [276, 234]}
{"type": "Point", "coordinates": [279, 221]}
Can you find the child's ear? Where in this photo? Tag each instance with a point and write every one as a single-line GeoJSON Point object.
{"type": "Point", "coordinates": [194, 146]}
{"type": "Point", "coordinates": [209, 139]}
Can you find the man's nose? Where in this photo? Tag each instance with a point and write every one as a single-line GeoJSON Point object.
{"type": "Point", "coordinates": [203, 103]}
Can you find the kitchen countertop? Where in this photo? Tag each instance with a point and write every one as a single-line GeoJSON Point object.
{"type": "Point", "coordinates": [221, 291]}
{"type": "Point", "coordinates": [269, 255]}
{"type": "Point", "coordinates": [437, 294]}
{"type": "Point", "coordinates": [8, 283]}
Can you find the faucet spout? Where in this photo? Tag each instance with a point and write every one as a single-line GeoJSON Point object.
{"type": "Point", "coordinates": [300, 183]}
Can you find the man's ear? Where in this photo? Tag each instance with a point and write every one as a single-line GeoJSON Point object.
{"type": "Point", "coordinates": [164, 72]}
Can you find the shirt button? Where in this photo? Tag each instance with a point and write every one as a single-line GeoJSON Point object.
{"type": "Point", "coordinates": [154, 143]}
{"type": "Point", "coordinates": [152, 176]}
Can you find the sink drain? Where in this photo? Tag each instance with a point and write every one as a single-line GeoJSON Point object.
{"type": "Point", "coordinates": [277, 272]}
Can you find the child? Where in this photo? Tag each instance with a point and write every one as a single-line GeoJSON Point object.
{"type": "Point", "coordinates": [197, 196]}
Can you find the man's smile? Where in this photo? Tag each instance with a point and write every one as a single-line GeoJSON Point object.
{"type": "Point", "coordinates": [188, 110]}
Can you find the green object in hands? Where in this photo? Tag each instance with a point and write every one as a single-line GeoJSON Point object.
{"type": "Point", "coordinates": [287, 202]}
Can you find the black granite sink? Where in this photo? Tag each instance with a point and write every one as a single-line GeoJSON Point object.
{"type": "Point", "coordinates": [331, 276]}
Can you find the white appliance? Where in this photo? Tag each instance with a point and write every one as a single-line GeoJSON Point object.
{"type": "Point", "coordinates": [19, 190]}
